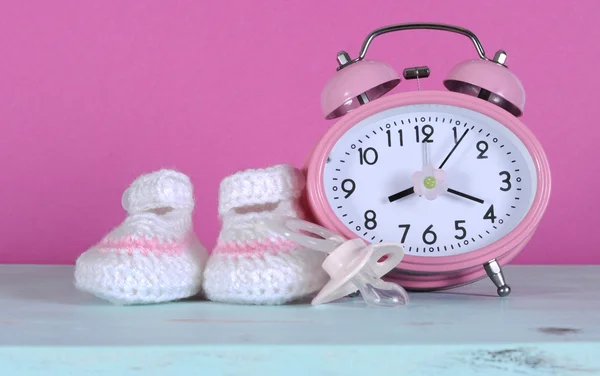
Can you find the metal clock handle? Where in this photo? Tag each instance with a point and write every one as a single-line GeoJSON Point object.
{"type": "Point", "coordinates": [344, 60]}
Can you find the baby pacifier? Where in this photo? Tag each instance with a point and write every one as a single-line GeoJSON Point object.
{"type": "Point", "coordinates": [351, 264]}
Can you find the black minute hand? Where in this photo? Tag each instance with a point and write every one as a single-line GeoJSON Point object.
{"type": "Point", "coordinates": [454, 148]}
{"type": "Point", "coordinates": [464, 195]}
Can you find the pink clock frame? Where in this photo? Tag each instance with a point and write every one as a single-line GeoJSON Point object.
{"type": "Point", "coordinates": [431, 273]}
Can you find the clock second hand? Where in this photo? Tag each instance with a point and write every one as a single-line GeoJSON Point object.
{"type": "Point", "coordinates": [454, 191]}
{"type": "Point", "coordinates": [454, 148]}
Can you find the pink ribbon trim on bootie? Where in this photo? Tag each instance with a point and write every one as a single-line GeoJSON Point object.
{"type": "Point", "coordinates": [256, 247]}
{"type": "Point", "coordinates": [144, 246]}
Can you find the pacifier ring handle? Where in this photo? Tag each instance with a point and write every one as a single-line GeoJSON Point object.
{"type": "Point", "coordinates": [412, 26]}
{"type": "Point", "coordinates": [290, 227]}
{"type": "Point", "coordinates": [394, 253]}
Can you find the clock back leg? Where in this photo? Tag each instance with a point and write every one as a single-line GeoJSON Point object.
{"type": "Point", "coordinates": [494, 271]}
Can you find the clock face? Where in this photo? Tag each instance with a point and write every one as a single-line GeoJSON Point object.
{"type": "Point", "coordinates": [442, 180]}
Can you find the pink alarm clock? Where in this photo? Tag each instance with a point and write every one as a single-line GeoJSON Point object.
{"type": "Point", "coordinates": [453, 175]}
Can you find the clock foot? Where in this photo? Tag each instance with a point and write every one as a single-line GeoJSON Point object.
{"type": "Point", "coordinates": [494, 271]}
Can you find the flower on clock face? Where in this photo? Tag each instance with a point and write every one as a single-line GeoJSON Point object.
{"type": "Point", "coordinates": [429, 182]}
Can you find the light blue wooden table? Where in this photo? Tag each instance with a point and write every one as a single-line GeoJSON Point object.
{"type": "Point", "coordinates": [549, 325]}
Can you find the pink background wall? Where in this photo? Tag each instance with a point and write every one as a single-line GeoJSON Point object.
{"type": "Point", "coordinates": [94, 93]}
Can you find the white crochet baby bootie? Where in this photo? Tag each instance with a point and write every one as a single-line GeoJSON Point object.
{"type": "Point", "coordinates": [251, 265]}
{"type": "Point", "coordinates": [154, 256]}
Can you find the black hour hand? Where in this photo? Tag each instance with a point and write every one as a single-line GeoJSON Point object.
{"type": "Point", "coordinates": [401, 194]}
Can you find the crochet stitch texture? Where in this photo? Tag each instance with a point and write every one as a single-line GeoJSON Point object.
{"type": "Point", "coordinates": [249, 264]}
{"type": "Point", "coordinates": [154, 255]}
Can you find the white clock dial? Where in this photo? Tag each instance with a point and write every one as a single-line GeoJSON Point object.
{"type": "Point", "coordinates": [490, 177]}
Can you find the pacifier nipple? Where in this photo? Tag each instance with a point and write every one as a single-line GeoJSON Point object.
{"type": "Point", "coordinates": [377, 292]}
